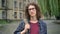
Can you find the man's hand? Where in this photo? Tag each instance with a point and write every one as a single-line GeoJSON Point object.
{"type": "Point", "coordinates": [27, 26]}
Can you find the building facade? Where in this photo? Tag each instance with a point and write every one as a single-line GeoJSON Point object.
{"type": "Point", "coordinates": [13, 9]}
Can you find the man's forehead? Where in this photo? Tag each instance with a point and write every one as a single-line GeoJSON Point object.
{"type": "Point", "coordinates": [31, 6]}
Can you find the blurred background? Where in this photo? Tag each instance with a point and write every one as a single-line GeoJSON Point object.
{"type": "Point", "coordinates": [12, 12]}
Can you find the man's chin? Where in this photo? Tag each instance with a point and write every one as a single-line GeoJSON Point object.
{"type": "Point", "coordinates": [32, 15]}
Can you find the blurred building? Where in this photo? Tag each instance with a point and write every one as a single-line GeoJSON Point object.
{"type": "Point", "coordinates": [13, 9]}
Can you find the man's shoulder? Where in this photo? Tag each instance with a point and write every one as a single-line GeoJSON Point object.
{"type": "Point", "coordinates": [42, 22]}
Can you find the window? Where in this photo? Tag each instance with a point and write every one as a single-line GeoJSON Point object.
{"type": "Point", "coordinates": [15, 4]}
{"type": "Point", "coordinates": [24, 5]}
{"type": "Point", "coordinates": [20, 5]}
{"type": "Point", "coordinates": [15, 14]}
{"type": "Point", "coordinates": [24, 0]}
{"type": "Point", "coordinates": [28, 0]}
{"type": "Point", "coordinates": [20, 15]}
{"type": "Point", "coordinates": [4, 14]}
{"type": "Point", "coordinates": [3, 3]}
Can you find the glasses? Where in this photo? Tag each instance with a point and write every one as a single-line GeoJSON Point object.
{"type": "Point", "coordinates": [31, 9]}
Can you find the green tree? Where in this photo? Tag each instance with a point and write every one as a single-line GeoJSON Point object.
{"type": "Point", "coordinates": [52, 7]}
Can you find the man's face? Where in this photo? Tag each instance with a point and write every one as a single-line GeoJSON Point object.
{"type": "Point", "coordinates": [32, 10]}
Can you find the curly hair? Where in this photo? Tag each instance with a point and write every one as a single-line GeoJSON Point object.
{"type": "Point", "coordinates": [38, 12]}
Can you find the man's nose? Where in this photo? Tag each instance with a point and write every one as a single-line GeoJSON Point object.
{"type": "Point", "coordinates": [31, 10]}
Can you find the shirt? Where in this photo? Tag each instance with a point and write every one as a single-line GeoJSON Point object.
{"type": "Point", "coordinates": [34, 28]}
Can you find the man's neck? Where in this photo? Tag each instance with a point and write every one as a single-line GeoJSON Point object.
{"type": "Point", "coordinates": [33, 20]}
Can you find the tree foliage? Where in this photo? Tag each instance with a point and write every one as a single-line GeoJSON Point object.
{"type": "Point", "coordinates": [50, 6]}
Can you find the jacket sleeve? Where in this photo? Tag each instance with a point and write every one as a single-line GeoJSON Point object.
{"type": "Point", "coordinates": [44, 28]}
{"type": "Point", "coordinates": [19, 28]}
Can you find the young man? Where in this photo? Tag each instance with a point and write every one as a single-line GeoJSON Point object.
{"type": "Point", "coordinates": [35, 25]}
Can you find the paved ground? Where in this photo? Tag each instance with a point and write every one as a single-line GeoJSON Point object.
{"type": "Point", "coordinates": [9, 28]}
{"type": "Point", "coordinates": [52, 28]}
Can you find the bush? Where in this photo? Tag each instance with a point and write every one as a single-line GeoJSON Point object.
{"type": "Point", "coordinates": [58, 17]}
{"type": "Point", "coordinates": [2, 21]}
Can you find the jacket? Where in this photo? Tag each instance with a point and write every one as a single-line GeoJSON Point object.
{"type": "Point", "coordinates": [42, 30]}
